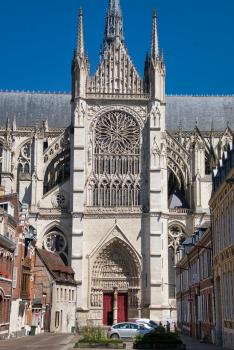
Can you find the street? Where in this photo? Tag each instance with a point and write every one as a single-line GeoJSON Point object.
{"type": "Point", "coordinates": [60, 341]}
{"type": "Point", "coordinates": [43, 341]}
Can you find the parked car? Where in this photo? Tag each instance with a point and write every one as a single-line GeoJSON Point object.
{"type": "Point", "coordinates": [126, 330]}
{"type": "Point", "coordinates": [147, 322]}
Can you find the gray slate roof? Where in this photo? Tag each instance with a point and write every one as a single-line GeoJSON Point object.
{"type": "Point", "coordinates": [26, 106]}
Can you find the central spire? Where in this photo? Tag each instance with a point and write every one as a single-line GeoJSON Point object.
{"type": "Point", "coordinates": [114, 11]}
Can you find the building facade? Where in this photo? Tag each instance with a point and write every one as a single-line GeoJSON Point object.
{"type": "Point", "coordinates": [55, 294]}
{"type": "Point", "coordinates": [222, 209]}
{"type": "Point", "coordinates": [194, 286]}
{"type": "Point", "coordinates": [114, 181]}
{"type": "Point", "coordinates": [7, 250]}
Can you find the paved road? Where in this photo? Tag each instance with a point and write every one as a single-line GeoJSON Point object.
{"type": "Point", "coordinates": [52, 341]}
{"type": "Point", "coordinates": [194, 344]}
{"type": "Point", "coordinates": [41, 341]}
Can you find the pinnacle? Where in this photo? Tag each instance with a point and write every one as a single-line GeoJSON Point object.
{"type": "Point", "coordinates": [80, 11]}
{"type": "Point", "coordinates": [155, 13]}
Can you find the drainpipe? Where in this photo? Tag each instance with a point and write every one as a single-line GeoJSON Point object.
{"type": "Point", "coordinates": [212, 260]}
{"type": "Point", "coordinates": [9, 330]}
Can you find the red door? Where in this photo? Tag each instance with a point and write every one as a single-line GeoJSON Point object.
{"type": "Point", "coordinates": [107, 309]}
{"type": "Point", "coordinates": [122, 315]}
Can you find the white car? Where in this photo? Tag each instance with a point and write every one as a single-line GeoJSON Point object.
{"type": "Point", "coordinates": [148, 323]}
{"type": "Point", "coordinates": [126, 330]}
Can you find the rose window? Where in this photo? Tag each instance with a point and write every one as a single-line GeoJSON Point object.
{"type": "Point", "coordinates": [116, 152]}
{"type": "Point", "coordinates": [55, 242]}
{"type": "Point", "coordinates": [117, 133]}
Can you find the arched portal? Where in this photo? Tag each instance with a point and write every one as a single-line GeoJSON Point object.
{"type": "Point", "coordinates": [115, 282]}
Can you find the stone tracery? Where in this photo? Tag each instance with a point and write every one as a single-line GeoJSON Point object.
{"type": "Point", "coordinates": [116, 266]}
{"type": "Point", "coordinates": [116, 164]}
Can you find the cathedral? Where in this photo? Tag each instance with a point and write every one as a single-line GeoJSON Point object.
{"type": "Point", "coordinates": [116, 174]}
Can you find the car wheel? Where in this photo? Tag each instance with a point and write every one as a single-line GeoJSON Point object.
{"type": "Point", "coordinates": [114, 336]}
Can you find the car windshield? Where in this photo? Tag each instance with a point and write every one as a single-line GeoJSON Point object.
{"type": "Point", "coordinates": [152, 323]}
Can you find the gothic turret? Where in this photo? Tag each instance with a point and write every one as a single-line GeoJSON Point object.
{"type": "Point", "coordinates": [80, 63]}
{"type": "Point", "coordinates": [154, 43]}
{"type": "Point", "coordinates": [80, 36]}
{"type": "Point", "coordinates": [155, 75]}
{"type": "Point", "coordinates": [114, 10]}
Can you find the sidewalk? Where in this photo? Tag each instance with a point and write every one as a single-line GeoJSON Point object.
{"type": "Point", "coordinates": [194, 344]}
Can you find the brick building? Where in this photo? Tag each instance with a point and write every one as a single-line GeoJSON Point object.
{"type": "Point", "coordinates": [222, 208]}
{"type": "Point", "coordinates": [194, 286]}
{"type": "Point", "coordinates": [54, 289]}
{"type": "Point", "coordinates": [22, 235]}
{"type": "Point", "coordinates": [7, 248]}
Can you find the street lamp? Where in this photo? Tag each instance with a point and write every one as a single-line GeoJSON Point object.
{"type": "Point", "coordinates": [230, 181]}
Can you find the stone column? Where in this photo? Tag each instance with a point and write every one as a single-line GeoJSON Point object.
{"type": "Point", "coordinates": [115, 306]}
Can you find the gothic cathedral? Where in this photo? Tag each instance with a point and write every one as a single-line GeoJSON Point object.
{"type": "Point", "coordinates": [118, 188]}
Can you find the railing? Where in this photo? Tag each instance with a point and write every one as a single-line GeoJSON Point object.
{"type": "Point", "coordinates": [117, 96]}
{"type": "Point", "coordinates": [181, 211]}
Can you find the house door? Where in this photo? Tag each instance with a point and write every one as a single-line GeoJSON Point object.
{"type": "Point", "coordinates": [122, 304]}
{"type": "Point", "coordinates": [107, 309]}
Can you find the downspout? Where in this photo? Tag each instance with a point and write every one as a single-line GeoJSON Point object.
{"type": "Point", "coordinates": [9, 330]}
{"type": "Point", "coordinates": [20, 263]}
{"type": "Point", "coordinates": [212, 257]}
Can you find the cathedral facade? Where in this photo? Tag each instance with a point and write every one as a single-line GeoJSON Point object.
{"type": "Point", "coordinates": [115, 182]}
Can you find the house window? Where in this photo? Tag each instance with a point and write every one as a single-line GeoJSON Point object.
{"type": "Point", "coordinates": [57, 294]}
{"type": "Point", "coordinates": [61, 297]}
{"type": "Point", "coordinates": [56, 318]}
{"type": "Point", "coordinates": [65, 294]}
{"type": "Point", "coordinates": [230, 294]}
{"type": "Point", "coordinates": [227, 227]}
{"type": "Point", "coordinates": [69, 294]}
{"type": "Point", "coordinates": [222, 231]}
{"type": "Point", "coordinates": [73, 295]}
{"type": "Point", "coordinates": [225, 294]}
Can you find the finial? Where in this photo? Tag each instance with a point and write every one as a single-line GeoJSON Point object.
{"type": "Point", "coordinates": [80, 35]}
{"type": "Point", "coordinates": [180, 125]}
{"type": "Point", "coordinates": [162, 56]}
{"type": "Point", "coordinates": [100, 53]}
{"type": "Point", "coordinates": [212, 126]}
{"type": "Point", "coordinates": [154, 42]}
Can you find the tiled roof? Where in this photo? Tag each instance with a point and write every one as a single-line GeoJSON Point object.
{"type": "Point", "coordinates": [205, 225]}
{"type": "Point", "coordinates": [55, 265]}
{"type": "Point", "coordinates": [26, 106]}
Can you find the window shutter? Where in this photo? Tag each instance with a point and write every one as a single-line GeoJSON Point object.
{"type": "Point", "coordinates": [16, 243]}
{"type": "Point", "coordinates": [201, 268]}
{"type": "Point", "coordinates": [198, 269]}
{"type": "Point", "coordinates": [205, 265]}
{"type": "Point", "coordinates": [14, 277]}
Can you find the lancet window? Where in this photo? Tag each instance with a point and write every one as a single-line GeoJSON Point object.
{"type": "Point", "coordinates": [117, 157]}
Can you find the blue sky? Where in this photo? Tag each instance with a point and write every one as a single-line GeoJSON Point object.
{"type": "Point", "coordinates": [38, 37]}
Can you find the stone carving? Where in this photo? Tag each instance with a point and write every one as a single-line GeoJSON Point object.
{"type": "Point", "coordinates": [96, 297]}
{"type": "Point", "coordinates": [116, 267]}
{"type": "Point", "coordinates": [55, 242]}
{"type": "Point", "coordinates": [62, 144]}
{"type": "Point", "coordinates": [60, 199]}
